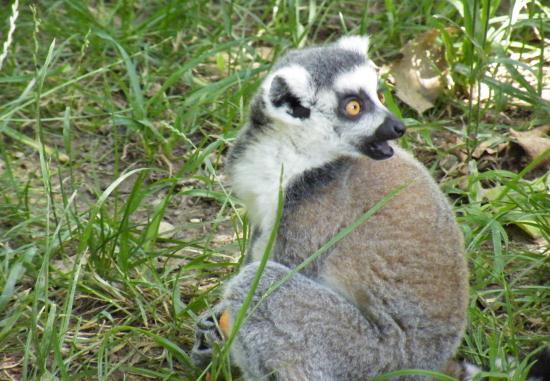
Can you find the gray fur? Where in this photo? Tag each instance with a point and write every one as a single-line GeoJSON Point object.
{"type": "Point", "coordinates": [254, 236]}
{"type": "Point", "coordinates": [324, 63]}
{"type": "Point", "coordinates": [305, 341]}
{"type": "Point", "coordinates": [391, 295]}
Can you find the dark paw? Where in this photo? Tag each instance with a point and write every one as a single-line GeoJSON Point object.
{"type": "Point", "coordinates": [207, 336]}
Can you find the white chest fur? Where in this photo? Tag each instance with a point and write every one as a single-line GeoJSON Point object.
{"type": "Point", "coordinates": [272, 161]}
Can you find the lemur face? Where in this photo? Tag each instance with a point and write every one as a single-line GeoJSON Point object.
{"type": "Point", "coordinates": [329, 94]}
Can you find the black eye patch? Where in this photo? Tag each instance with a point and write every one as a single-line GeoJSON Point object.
{"type": "Point", "coordinates": [367, 105]}
{"type": "Point", "coordinates": [281, 95]}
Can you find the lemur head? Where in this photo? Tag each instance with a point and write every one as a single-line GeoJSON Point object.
{"type": "Point", "coordinates": [329, 94]}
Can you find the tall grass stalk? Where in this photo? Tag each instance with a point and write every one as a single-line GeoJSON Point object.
{"type": "Point", "coordinates": [11, 31]}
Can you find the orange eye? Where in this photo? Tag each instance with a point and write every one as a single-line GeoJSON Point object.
{"type": "Point", "coordinates": [353, 108]}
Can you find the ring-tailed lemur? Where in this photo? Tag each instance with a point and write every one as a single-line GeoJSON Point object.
{"type": "Point", "coordinates": [392, 294]}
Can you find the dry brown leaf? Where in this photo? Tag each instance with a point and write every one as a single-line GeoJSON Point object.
{"type": "Point", "coordinates": [266, 52]}
{"type": "Point", "coordinates": [490, 147]}
{"type": "Point", "coordinates": [63, 158]}
{"type": "Point", "coordinates": [534, 142]}
{"type": "Point", "coordinates": [166, 230]}
{"type": "Point", "coordinates": [418, 78]}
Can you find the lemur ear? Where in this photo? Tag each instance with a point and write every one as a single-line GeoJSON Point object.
{"type": "Point", "coordinates": [288, 92]}
{"type": "Point", "coordinates": [359, 44]}
{"type": "Point", "coordinates": [281, 95]}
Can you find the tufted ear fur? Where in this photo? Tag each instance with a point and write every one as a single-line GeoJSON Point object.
{"type": "Point", "coordinates": [281, 95]}
{"type": "Point", "coordinates": [359, 44]}
{"type": "Point", "coordinates": [288, 93]}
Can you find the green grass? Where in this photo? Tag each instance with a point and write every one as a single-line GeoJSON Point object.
{"type": "Point", "coordinates": [115, 118]}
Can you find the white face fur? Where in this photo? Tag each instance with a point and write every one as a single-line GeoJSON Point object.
{"type": "Point", "coordinates": [325, 123]}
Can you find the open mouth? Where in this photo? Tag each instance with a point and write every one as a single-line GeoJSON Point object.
{"type": "Point", "coordinates": [376, 146]}
{"type": "Point", "coordinates": [377, 150]}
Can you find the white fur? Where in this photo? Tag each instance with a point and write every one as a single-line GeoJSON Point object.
{"type": "Point", "coordinates": [299, 81]}
{"type": "Point", "coordinates": [367, 127]}
{"type": "Point", "coordinates": [359, 44]}
{"type": "Point", "coordinates": [292, 146]}
{"type": "Point", "coordinates": [361, 78]}
{"type": "Point", "coordinates": [470, 371]}
{"type": "Point", "coordinates": [256, 177]}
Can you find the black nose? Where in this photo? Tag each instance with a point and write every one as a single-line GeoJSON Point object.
{"type": "Point", "coordinates": [391, 128]}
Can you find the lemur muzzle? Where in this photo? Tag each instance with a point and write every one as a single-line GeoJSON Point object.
{"type": "Point", "coordinates": [391, 128]}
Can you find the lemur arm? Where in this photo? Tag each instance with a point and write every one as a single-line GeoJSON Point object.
{"type": "Point", "coordinates": [302, 331]}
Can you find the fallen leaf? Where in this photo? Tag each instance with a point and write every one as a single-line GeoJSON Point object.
{"type": "Point", "coordinates": [418, 75]}
{"type": "Point", "coordinates": [63, 158]}
{"type": "Point", "coordinates": [534, 142]}
{"type": "Point", "coordinates": [266, 52]}
{"type": "Point", "coordinates": [166, 230]}
{"type": "Point", "coordinates": [448, 163]}
{"type": "Point", "coordinates": [528, 224]}
{"type": "Point", "coordinates": [490, 146]}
